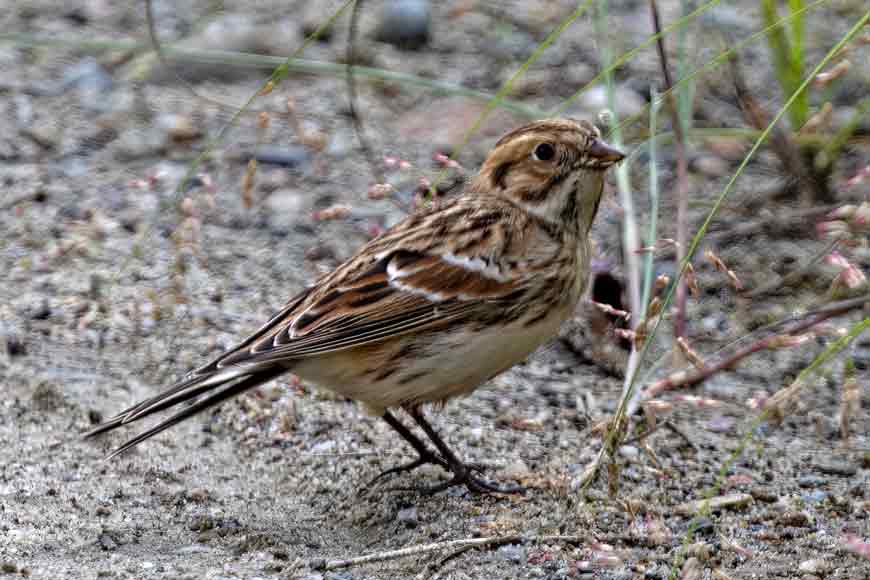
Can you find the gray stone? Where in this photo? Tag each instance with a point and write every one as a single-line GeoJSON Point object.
{"type": "Point", "coordinates": [405, 23]}
{"type": "Point", "coordinates": [834, 467]}
{"type": "Point", "coordinates": [408, 516]}
{"type": "Point", "coordinates": [812, 481]}
{"type": "Point", "coordinates": [628, 102]}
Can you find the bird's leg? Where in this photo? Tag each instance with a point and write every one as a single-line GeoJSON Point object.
{"type": "Point", "coordinates": [424, 455]}
{"type": "Point", "coordinates": [463, 473]}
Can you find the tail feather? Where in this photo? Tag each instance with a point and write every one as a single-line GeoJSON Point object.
{"type": "Point", "coordinates": [224, 384]}
{"type": "Point", "coordinates": [185, 390]}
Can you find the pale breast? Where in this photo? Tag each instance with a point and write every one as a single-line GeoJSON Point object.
{"type": "Point", "coordinates": [441, 366]}
{"type": "Point", "coordinates": [437, 365]}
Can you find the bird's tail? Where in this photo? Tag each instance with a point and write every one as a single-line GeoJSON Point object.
{"type": "Point", "coordinates": [220, 385]}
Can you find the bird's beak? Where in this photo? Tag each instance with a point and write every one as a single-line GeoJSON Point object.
{"type": "Point", "coordinates": [606, 154]}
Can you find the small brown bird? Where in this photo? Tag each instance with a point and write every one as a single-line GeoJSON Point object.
{"type": "Point", "coordinates": [455, 294]}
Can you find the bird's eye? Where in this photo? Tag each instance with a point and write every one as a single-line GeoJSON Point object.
{"type": "Point", "coordinates": [544, 152]}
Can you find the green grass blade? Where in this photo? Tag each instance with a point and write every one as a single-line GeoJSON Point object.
{"type": "Point", "coordinates": [702, 231]}
{"type": "Point", "coordinates": [798, 39]}
{"type": "Point", "coordinates": [623, 184]}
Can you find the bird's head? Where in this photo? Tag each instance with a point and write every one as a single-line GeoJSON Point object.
{"type": "Point", "coordinates": [553, 169]}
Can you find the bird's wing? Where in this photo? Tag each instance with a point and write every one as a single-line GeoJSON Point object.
{"type": "Point", "coordinates": [405, 283]}
{"type": "Point", "coordinates": [417, 277]}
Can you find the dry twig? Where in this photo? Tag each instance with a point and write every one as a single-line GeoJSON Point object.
{"type": "Point", "coordinates": [685, 379]}
{"type": "Point", "coordinates": [463, 544]}
{"type": "Point", "coordinates": [358, 126]}
{"type": "Point", "coordinates": [682, 175]}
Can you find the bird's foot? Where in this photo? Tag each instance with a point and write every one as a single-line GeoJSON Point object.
{"type": "Point", "coordinates": [425, 458]}
{"type": "Point", "coordinates": [464, 474]}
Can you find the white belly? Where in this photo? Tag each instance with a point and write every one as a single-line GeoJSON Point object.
{"type": "Point", "coordinates": [454, 364]}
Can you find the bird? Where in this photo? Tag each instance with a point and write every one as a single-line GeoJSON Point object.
{"type": "Point", "coordinates": [451, 296]}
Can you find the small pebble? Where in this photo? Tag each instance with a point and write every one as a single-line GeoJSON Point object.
{"type": "Point", "coordinates": [815, 496]}
{"type": "Point", "coordinates": [198, 494]}
{"type": "Point", "coordinates": [764, 495]}
{"type": "Point", "coordinates": [324, 446]}
{"type": "Point", "coordinates": [88, 75]}
{"type": "Point", "coordinates": [45, 134]}
{"type": "Point", "coordinates": [408, 516]}
{"type": "Point", "coordinates": [732, 501]}
{"type": "Point", "coordinates": [15, 345]}
{"type": "Point", "coordinates": [47, 397]}
{"type": "Point", "coordinates": [513, 553]}
{"type": "Point", "coordinates": [699, 550]}
{"type": "Point", "coordinates": [628, 102]}
{"type": "Point", "coordinates": [288, 156]}
{"type": "Point", "coordinates": [710, 165]}
{"type": "Point", "coordinates": [286, 206]}
{"type": "Point", "coordinates": [405, 23]}
{"type": "Point", "coordinates": [811, 481]}
{"type": "Point", "coordinates": [133, 145]}
{"type": "Point", "coordinates": [629, 452]}
{"type": "Point", "coordinates": [841, 468]}
{"type": "Point", "coordinates": [179, 128]}
{"type": "Point", "coordinates": [8, 568]}
{"type": "Point", "coordinates": [516, 470]}
{"type": "Point", "coordinates": [721, 424]}
{"type": "Point", "coordinates": [795, 519]}
{"type": "Point", "coordinates": [106, 542]}
{"type": "Point", "coordinates": [41, 312]}
{"type": "Point", "coordinates": [816, 566]}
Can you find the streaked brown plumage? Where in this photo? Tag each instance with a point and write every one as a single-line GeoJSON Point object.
{"type": "Point", "coordinates": [445, 300]}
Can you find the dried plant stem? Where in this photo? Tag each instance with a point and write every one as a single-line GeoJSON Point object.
{"type": "Point", "coordinates": [682, 175]}
{"type": "Point", "coordinates": [629, 244]}
{"type": "Point", "coordinates": [652, 233]}
{"type": "Point", "coordinates": [355, 116]}
{"type": "Point", "coordinates": [463, 544]}
{"type": "Point", "coordinates": [629, 404]}
{"type": "Point", "coordinates": [685, 379]}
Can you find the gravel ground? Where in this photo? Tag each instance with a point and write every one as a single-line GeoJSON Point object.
{"type": "Point", "coordinates": [114, 286]}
